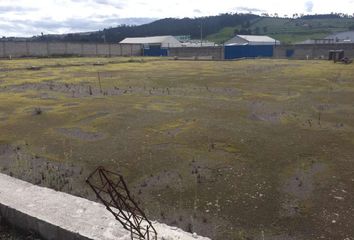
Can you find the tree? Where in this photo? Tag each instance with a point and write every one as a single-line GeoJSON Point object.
{"type": "Point", "coordinates": [257, 31]}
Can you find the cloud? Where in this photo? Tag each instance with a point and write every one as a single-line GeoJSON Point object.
{"type": "Point", "coordinates": [247, 9]}
{"type": "Point", "coordinates": [8, 9]}
{"type": "Point", "coordinates": [309, 6]}
{"type": "Point", "coordinates": [26, 17]}
{"type": "Point", "coordinates": [115, 4]}
{"type": "Point", "coordinates": [69, 25]}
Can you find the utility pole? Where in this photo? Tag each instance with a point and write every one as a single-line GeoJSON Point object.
{"type": "Point", "coordinates": [201, 32]}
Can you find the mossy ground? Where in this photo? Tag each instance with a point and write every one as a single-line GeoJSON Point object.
{"type": "Point", "coordinates": [231, 150]}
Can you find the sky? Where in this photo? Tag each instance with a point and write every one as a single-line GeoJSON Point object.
{"type": "Point", "coordinates": [33, 17]}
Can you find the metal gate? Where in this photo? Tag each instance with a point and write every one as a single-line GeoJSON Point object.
{"type": "Point", "coordinates": [248, 51]}
{"type": "Point", "coordinates": [155, 51]}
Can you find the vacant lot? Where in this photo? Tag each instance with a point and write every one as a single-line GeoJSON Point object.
{"type": "Point", "coordinates": [257, 149]}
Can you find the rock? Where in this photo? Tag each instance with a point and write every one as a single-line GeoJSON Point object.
{"type": "Point", "coordinates": [195, 235]}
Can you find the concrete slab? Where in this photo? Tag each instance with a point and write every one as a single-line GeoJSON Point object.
{"type": "Point", "coordinates": [56, 215]}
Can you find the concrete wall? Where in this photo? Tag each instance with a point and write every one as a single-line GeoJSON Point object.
{"type": "Point", "coordinates": [75, 48]}
{"type": "Point", "coordinates": [130, 49]}
{"type": "Point", "coordinates": [42, 49]}
{"type": "Point", "coordinates": [313, 51]}
{"type": "Point", "coordinates": [2, 48]}
{"type": "Point", "coordinates": [59, 216]}
{"type": "Point", "coordinates": [216, 53]}
{"type": "Point", "coordinates": [15, 49]}
{"type": "Point", "coordinates": [36, 50]}
{"type": "Point", "coordinates": [103, 49]}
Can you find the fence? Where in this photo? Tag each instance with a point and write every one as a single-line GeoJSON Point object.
{"type": "Point", "coordinates": [45, 49]}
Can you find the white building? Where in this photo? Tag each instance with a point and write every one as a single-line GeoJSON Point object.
{"type": "Point", "coordinates": [161, 41]}
{"type": "Point", "coordinates": [335, 38]}
{"type": "Point", "coordinates": [342, 37]}
{"type": "Point", "coordinates": [251, 40]}
{"type": "Point", "coordinates": [198, 43]}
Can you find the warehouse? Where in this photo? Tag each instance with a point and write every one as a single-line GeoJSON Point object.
{"type": "Point", "coordinates": [160, 41]}
{"type": "Point", "coordinates": [249, 46]}
{"type": "Point", "coordinates": [154, 46]}
{"type": "Point", "coordinates": [252, 40]}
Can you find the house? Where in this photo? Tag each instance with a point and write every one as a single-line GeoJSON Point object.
{"type": "Point", "coordinates": [316, 41]}
{"type": "Point", "coordinates": [157, 41]}
{"type": "Point", "coordinates": [342, 37]}
{"type": "Point", "coordinates": [252, 40]}
{"type": "Point", "coordinates": [335, 38]}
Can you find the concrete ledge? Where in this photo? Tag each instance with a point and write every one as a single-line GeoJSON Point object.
{"type": "Point", "coordinates": [56, 215]}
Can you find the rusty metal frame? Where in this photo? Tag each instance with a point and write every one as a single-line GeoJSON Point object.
{"type": "Point", "coordinates": [111, 189]}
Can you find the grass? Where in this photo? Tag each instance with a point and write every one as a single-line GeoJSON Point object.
{"type": "Point", "coordinates": [213, 147]}
{"type": "Point", "coordinates": [288, 30]}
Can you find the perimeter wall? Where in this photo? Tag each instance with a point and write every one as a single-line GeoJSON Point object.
{"type": "Point", "coordinates": [216, 53]}
{"type": "Point", "coordinates": [46, 49]}
{"type": "Point", "coordinates": [312, 51]}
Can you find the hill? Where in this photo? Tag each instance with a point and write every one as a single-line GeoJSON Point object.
{"type": "Point", "coordinates": [288, 30]}
{"type": "Point", "coordinates": [167, 26]}
{"type": "Point", "coordinates": [221, 28]}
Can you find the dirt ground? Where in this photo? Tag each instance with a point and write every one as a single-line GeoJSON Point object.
{"type": "Point", "coordinates": [254, 149]}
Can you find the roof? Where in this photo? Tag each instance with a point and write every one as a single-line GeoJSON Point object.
{"type": "Point", "coordinates": [149, 40]}
{"type": "Point", "coordinates": [251, 40]}
{"type": "Point", "coordinates": [255, 38]}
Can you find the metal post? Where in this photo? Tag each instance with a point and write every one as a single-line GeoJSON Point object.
{"type": "Point", "coordinates": [201, 32]}
{"type": "Point", "coordinates": [27, 49]}
{"type": "Point", "coordinates": [66, 48]}
{"type": "Point", "coordinates": [109, 50]}
{"type": "Point", "coordinates": [104, 182]}
{"type": "Point", "coordinates": [3, 49]}
{"type": "Point", "coordinates": [82, 49]}
{"type": "Point", "coordinates": [48, 52]}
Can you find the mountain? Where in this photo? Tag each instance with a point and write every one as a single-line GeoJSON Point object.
{"type": "Point", "coordinates": [221, 28]}
{"type": "Point", "coordinates": [168, 26]}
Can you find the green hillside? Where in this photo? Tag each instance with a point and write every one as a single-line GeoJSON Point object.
{"type": "Point", "coordinates": [287, 30]}
{"type": "Point", "coordinates": [220, 28]}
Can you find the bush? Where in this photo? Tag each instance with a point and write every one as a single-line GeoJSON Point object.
{"type": "Point", "coordinates": [38, 111]}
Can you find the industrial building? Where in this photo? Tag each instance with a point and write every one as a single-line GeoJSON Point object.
{"type": "Point", "coordinates": [154, 46]}
{"type": "Point", "coordinates": [342, 37]}
{"type": "Point", "coordinates": [335, 38]}
{"type": "Point", "coordinates": [250, 46]}
{"type": "Point", "coordinates": [252, 40]}
{"type": "Point", "coordinates": [158, 41]}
